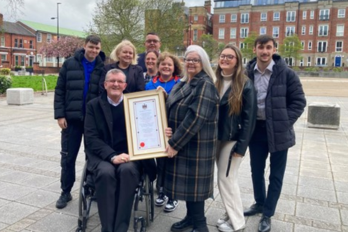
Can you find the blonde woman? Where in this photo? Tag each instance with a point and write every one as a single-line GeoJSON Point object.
{"type": "Point", "coordinates": [125, 57]}
{"type": "Point", "coordinates": [237, 117]}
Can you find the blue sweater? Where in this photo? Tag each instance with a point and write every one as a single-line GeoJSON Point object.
{"type": "Point", "coordinates": [155, 82]}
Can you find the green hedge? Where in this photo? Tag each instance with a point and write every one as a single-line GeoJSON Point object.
{"type": "Point", "coordinates": [5, 83]}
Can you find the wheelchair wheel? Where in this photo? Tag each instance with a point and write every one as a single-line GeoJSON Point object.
{"type": "Point", "coordinates": [149, 201]}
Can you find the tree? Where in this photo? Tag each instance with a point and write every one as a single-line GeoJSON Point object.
{"type": "Point", "coordinates": [14, 6]}
{"type": "Point", "coordinates": [116, 20]}
{"type": "Point", "coordinates": [167, 19]}
{"type": "Point", "coordinates": [209, 44]}
{"type": "Point", "coordinates": [291, 47]}
{"type": "Point", "coordinates": [64, 47]}
{"type": "Point", "coordinates": [248, 46]}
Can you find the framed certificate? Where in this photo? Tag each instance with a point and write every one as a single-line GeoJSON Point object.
{"type": "Point", "coordinates": [146, 120]}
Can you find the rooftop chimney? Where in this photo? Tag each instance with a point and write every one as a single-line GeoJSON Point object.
{"type": "Point", "coordinates": [1, 19]}
{"type": "Point", "coordinates": [207, 6]}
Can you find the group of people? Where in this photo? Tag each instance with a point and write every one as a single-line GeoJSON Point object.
{"type": "Point", "coordinates": [212, 117]}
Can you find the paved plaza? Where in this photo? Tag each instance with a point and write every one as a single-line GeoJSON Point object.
{"type": "Point", "coordinates": [314, 196]}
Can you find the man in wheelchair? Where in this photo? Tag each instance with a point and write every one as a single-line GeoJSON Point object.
{"type": "Point", "coordinates": [115, 177]}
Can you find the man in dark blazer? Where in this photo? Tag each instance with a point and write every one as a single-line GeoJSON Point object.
{"type": "Point", "coordinates": [116, 178]}
{"type": "Point", "coordinates": [152, 43]}
{"type": "Point", "coordinates": [280, 102]}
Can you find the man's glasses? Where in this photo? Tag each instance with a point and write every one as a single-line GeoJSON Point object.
{"type": "Point", "coordinates": [194, 61]}
{"type": "Point", "coordinates": [115, 81]}
{"type": "Point", "coordinates": [152, 41]}
{"type": "Point", "coordinates": [227, 57]}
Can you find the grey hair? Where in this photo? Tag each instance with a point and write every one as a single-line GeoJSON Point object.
{"type": "Point", "coordinates": [114, 72]}
{"type": "Point", "coordinates": [204, 59]}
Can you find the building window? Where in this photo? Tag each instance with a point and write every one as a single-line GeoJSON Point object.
{"type": "Point", "coordinates": [321, 61]}
{"type": "Point", "coordinates": [341, 13]}
{"type": "Point", "coordinates": [290, 16]}
{"type": "Point", "coordinates": [195, 18]}
{"type": "Point", "coordinates": [303, 30]}
{"type": "Point", "coordinates": [2, 44]}
{"type": "Point", "coordinates": [49, 38]}
{"type": "Point", "coordinates": [263, 16]}
{"type": "Point", "coordinates": [3, 57]}
{"type": "Point", "coordinates": [233, 18]}
{"type": "Point", "coordinates": [324, 14]}
{"type": "Point", "coordinates": [20, 43]}
{"type": "Point", "coordinates": [244, 32]}
{"type": "Point", "coordinates": [263, 31]}
{"type": "Point", "coordinates": [340, 30]}
{"type": "Point", "coordinates": [301, 62]}
{"type": "Point", "coordinates": [323, 30]}
{"type": "Point", "coordinates": [195, 34]}
{"type": "Point", "coordinates": [339, 46]}
{"type": "Point", "coordinates": [221, 33]}
{"type": "Point", "coordinates": [311, 15]}
{"type": "Point", "coordinates": [310, 32]}
{"type": "Point", "coordinates": [22, 60]}
{"type": "Point", "coordinates": [275, 33]}
{"type": "Point", "coordinates": [49, 59]}
{"type": "Point", "coordinates": [276, 16]}
{"type": "Point", "coordinates": [233, 33]}
{"type": "Point", "coordinates": [303, 45]}
{"type": "Point", "coordinates": [16, 60]}
{"type": "Point", "coordinates": [290, 31]}
{"type": "Point", "coordinates": [309, 61]}
{"type": "Point", "coordinates": [322, 46]}
{"type": "Point", "coordinates": [16, 43]}
{"type": "Point", "coordinates": [221, 18]}
{"type": "Point", "coordinates": [304, 14]}
{"type": "Point", "coordinates": [31, 44]}
{"type": "Point", "coordinates": [309, 45]}
{"type": "Point", "coordinates": [39, 37]}
{"type": "Point", "coordinates": [244, 18]}
{"type": "Point", "coordinates": [242, 46]}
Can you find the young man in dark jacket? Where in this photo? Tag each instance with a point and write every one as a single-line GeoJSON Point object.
{"type": "Point", "coordinates": [280, 102]}
{"type": "Point", "coordinates": [76, 85]}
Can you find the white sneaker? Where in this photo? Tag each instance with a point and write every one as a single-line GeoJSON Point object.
{"type": "Point", "coordinates": [227, 227]}
{"type": "Point", "coordinates": [224, 218]}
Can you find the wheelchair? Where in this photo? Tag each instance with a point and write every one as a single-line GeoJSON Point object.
{"type": "Point", "coordinates": [143, 193]}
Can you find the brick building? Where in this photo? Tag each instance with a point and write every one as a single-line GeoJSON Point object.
{"type": "Point", "coordinates": [17, 45]}
{"type": "Point", "coordinates": [320, 26]}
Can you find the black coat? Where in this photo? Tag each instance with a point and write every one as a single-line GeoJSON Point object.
{"type": "Point", "coordinates": [285, 102]}
{"type": "Point", "coordinates": [99, 135]}
{"type": "Point", "coordinates": [68, 95]}
{"type": "Point", "coordinates": [135, 79]}
{"type": "Point", "coordinates": [141, 61]}
{"type": "Point", "coordinates": [238, 127]}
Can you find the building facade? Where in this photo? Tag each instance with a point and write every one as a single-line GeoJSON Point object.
{"type": "Point", "coordinates": [320, 26]}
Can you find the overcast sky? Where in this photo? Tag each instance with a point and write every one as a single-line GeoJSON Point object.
{"type": "Point", "coordinates": [73, 14]}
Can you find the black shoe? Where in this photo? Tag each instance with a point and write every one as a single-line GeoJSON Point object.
{"type": "Point", "coordinates": [183, 225]}
{"type": "Point", "coordinates": [63, 200]}
{"type": "Point", "coordinates": [265, 224]}
{"type": "Point", "coordinates": [205, 229]}
{"type": "Point", "coordinates": [254, 209]}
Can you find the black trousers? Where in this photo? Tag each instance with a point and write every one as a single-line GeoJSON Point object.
{"type": "Point", "coordinates": [258, 148]}
{"type": "Point", "coordinates": [161, 163]}
{"type": "Point", "coordinates": [71, 138]}
{"type": "Point", "coordinates": [195, 211]}
{"type": "Point", "coordinates": [115, 188]}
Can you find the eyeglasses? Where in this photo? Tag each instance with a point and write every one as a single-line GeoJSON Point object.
{"type": "Point", "coordinates": [194, 61]}
{"type": "Point", "coordinates": [152, 41]}
{"type": "Point", "coordinates": [227, 57]}
{"type": "Point", "coordinates": [116, 81]}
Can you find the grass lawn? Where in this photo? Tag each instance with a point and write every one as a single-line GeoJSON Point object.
{"type": "Point", "coordinates": [34, 82]}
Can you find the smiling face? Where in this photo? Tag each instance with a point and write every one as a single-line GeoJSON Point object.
{"type": "Point", "coordinates": [228, 61]}
{"type": "Point", "coordinates": [264, 52]}
{"type": "Point", "coordinates": [193, 64]}
{"type": "Point", "coordinates": [152, 43]}
{"type": "Point", "coordinates": [115, 84]}
{"type": "Point", "coordinates": [166, 68]}
{"type": "Point", "coordinates": [126, 55]}
{"type": "Point", "coordinates": [150, 61]}
{"type": "Point", "coordinates": [91, 51]}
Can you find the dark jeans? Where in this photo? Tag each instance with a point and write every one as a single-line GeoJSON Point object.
{"type": "Point", "coordinates": [161, 162]}
{"type": "Point", "coordinates": [195, 211]}
{"type": "Point", "coordinates": [115, 188]}
{"type": "Point", "coordinates": [258, 148]}
{"type": "Point", "coordinates": [71, 138]}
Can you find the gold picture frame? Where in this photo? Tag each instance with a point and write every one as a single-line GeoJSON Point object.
{"type": "Point", "coordinates": [146, 120]}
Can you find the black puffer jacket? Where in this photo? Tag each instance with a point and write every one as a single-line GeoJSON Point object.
{"type": "Point", "coordinates": [238, 127]}
{"type": "Point", "coordinates": [68, 96]}
{"type": "Point", "coordinates": [285, 102]}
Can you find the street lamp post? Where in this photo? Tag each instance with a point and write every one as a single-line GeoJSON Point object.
{"type": "Point", "coordinates": [58, 3]}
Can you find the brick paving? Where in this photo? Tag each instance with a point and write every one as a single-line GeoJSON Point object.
{"type": "Point", "coordinates": [314, 196]}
